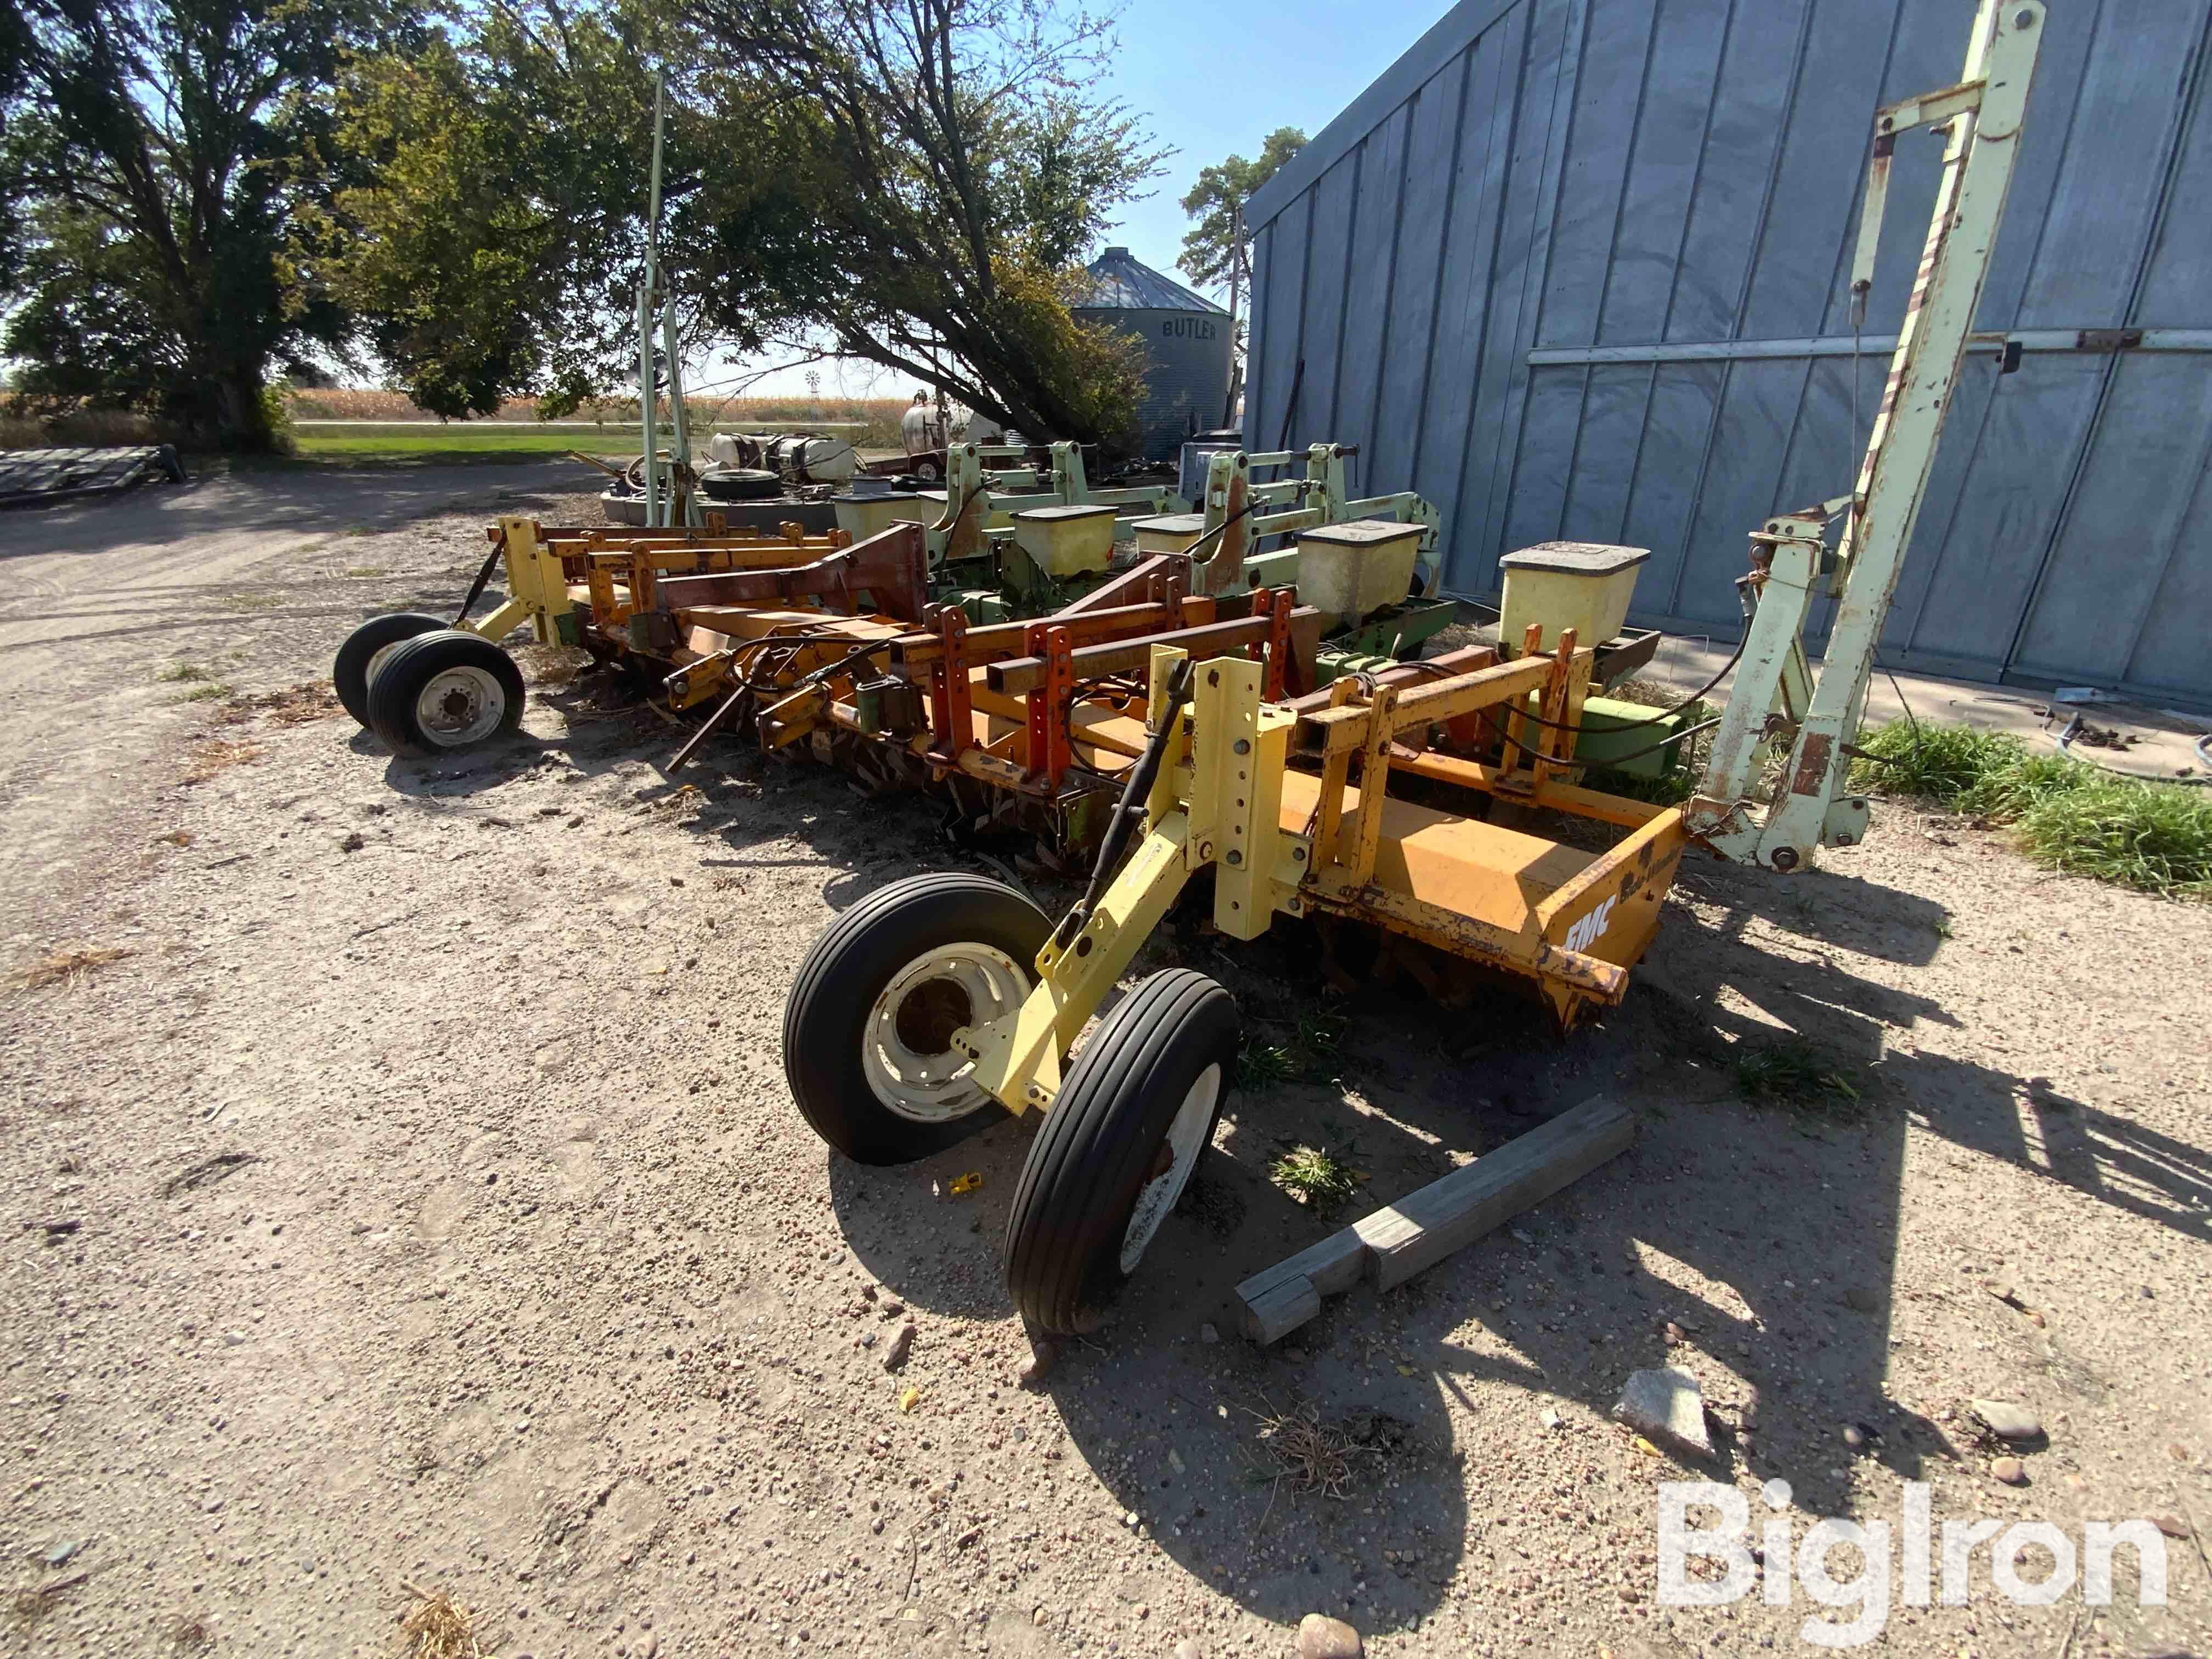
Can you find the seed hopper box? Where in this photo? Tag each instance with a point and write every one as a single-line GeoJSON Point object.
{"type": "Point", "coordinates": [1347, 571]}
{"type": "Point", "coordinates": [1584, 586]}
{"type": "Point", "coordinates": [862, 516]}
{"type": "Point", "coordinates": [1066, 541]}
{"type": "Point", "coordinates": [1173, 532]}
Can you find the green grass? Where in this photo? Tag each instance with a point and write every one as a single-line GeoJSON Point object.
{"type": "Point", "coordinates": [367, 570]}
{"type": "Point", "coordinates": [2151, 836]}
{"type": "Point", "coordinates": [180, 671]}
{"type": "Point", "coordinates": [253, 601]}
{"type": "Point", "coordinates": [1310, 1056]}
{"type": "Point", "coordinates": [437, 442]}
{"type": "Point", "coordinates": [1261, 1065]}
{"type": "Point", "coordinates": [2065, 814]}
{"type": "Point", "coordinates": [1320, 1034]}
{"type": "Point", "coordinates": [2009, 793]}
{"type": "Point", "coordinates": [208, 693]}
{"type": "Point", "coordinates": [1795, 1072]}
{"type": "Point", "coordinates": [1934, 762]}
{"type": "Point", "coordinates": [1314, 1177]}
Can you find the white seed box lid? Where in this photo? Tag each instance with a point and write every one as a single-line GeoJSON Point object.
{"type": "Point", "coordinates": [1575, 558]}
{"type": "Point", "coordinates": [1360, 533]}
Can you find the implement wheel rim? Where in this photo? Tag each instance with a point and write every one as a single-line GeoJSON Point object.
{"type": "Point", "coordinates": [907, 1053]}
{"type": "Point", "coordinates": [382, 655]}
{"type": "Point", "coordinates": [460, 706]}
{"type": "Point", "coordinates": [1186, 1139]}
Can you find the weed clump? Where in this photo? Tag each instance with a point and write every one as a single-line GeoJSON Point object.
{"type": "Point", "coordinates": [1795, 1073]}
{"type": "Point", "coordinates": [2066, 814]}
{"type": "Point", "coordinates": [1318, 1179]}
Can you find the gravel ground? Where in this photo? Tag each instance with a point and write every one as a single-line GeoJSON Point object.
{"type": "Point", "coordinates": [418, 1202]}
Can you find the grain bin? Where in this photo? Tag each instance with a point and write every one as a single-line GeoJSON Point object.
{"type": "Point", "coordinates": [1187, 338]}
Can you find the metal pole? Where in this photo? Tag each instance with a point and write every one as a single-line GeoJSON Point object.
{"type": "Point", "coordinates": [1235, 271]}
{"type": "Point", "coordinates": [645, 398]}
{"type": "Point", "coordinates": [1980, 118]}
{"type": "Point", "coordinates": [648, 295]}
{"type": "Point", "coordinates": [680, 431]}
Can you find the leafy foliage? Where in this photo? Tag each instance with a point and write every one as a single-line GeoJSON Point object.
{"type": "Point", "coordinates": [493, 247]}
{"type": "Point", "coordinates": [1207, 250]}
{"type": "Point", "coordinates": [2067, 814]}
{"type": "Point", "coordinates": [157, 154]}
{"type": "Point", "coordinates": [911, 184]}
{"type": "Point", "coordinates": [944, 166]}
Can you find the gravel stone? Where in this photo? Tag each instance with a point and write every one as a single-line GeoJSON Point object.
{"type": "Point", "coordinates": [1321, 1637]}
{"type": "Point", "coordinates": [1664, 1404]}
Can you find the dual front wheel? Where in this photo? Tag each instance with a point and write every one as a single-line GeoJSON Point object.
{"type": "Point", "coordinates": [867, 1050]}
{"type": "Point", "coordinates": [426, 689]}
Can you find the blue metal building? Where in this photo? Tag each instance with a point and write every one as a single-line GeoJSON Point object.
{"type": "Point", "coordinates": [1578, 269]}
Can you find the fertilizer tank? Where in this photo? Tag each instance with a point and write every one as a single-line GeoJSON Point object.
{"type": "Point", "coordinates": [1186, 337]}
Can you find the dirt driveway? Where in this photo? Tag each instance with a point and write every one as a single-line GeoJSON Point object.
{"type": "Point", "coordinates": [417, 1201]}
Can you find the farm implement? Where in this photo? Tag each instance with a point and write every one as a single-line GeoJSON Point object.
{"type": "Point", "coordinates": [990, 642]}
{"type": "Point", "coordinates": [938, 998]}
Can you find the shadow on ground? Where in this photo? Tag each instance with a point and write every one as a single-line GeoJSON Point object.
{"type": "Point", "coordinates": [1787, 1215]}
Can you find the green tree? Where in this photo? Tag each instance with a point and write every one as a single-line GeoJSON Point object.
{"type": "Point", "coordinates": [954, 165]}
{"type": "Point", "coordinates": [1213, 202]}
{"type": "Point", "coordinates": [494, 247]}
{"type": "Point", "coordinates": [157, 154]}
{"type": "Point", "coordinates": [913, 186]}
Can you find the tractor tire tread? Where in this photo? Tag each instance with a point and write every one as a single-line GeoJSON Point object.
{"type": "Point", "coordinates": [392, 699]}
{"type": "Point", "coordinates": [1059, 1234]}
{"type": "Point", "coordinates": [349, 668]}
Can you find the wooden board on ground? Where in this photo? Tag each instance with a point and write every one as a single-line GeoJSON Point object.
{"type": "Point", "coordinates": [1390, 1246]}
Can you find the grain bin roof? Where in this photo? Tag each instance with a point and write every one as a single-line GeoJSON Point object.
{"type": "Point", "coordinates": [1122, 284]}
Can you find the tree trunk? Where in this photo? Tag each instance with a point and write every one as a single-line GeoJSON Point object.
{"type": "Point", "coordinates": [242, 423]}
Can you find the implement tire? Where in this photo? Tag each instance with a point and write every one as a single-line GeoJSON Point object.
{"type": "Point", "coordinates": [1134, 1113]}
{"type": "Point", "coordinates": [356, 661]}
{"type": "Point", "coordinates": [440, 692]}
{"type": "Point", "coordinates": [867, 1026]}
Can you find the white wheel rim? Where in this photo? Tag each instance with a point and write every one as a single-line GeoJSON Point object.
{"type": "Point", "coordinates": [906, 1048]}
{"type": "Point", "coordinates": [377, 660]}
{"type": "Point", "coordinates": [460, 706]}
{"type": "Point", "coordinates": [1187, 1138]}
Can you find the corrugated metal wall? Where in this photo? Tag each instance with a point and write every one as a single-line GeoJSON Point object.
{"type": "Point", "coordinates": [1579, 268]}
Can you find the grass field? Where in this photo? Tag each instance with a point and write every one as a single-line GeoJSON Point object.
{"type": "Point", "coordinates": [430, 441]}
{"type": "Point", "coordinates": [384, 427]}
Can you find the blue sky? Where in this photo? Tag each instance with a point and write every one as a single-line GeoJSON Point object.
{"type": "Point", "coordinates": [1211, 81]}
{"type": "Point", "coordinates": [1214, 80]}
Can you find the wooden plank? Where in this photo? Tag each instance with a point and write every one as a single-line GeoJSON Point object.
{"type": "Point", "coordinates": [1420, 1230]}
{"type": "Point", "coordinates": [1279, 1309]}
{"type": "Point", "coordinates": [1334, 1265]}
